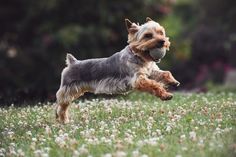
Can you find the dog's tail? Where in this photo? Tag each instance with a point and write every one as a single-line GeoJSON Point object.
{"type": "Point", "coordinates": [70, 59]}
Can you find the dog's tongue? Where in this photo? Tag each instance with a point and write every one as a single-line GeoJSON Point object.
{"type": "Point", "coordinates": [157, 54]}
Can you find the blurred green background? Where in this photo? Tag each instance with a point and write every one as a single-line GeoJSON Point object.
{"type": "Point", "coordinates": [36, 35]}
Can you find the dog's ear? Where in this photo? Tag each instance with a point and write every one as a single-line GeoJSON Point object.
{"type": "Point", "coordinates": [167, 44]}
{"type": "Point", "coordinates": [148, 19]}
{"type": "Point", "coordinates": [131, 27]}
{"type": "Point", "coordinates": [128, 24]}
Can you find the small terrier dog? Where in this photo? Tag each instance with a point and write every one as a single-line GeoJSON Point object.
{"type": "Point", "coordinates": [133, 68]}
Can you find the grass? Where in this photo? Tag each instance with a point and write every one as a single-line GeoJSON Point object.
{"type": "Point", "coordinates": [135, 125]}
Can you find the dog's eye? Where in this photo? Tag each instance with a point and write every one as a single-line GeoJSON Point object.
{"type": "Point", "coordinates": [148, 35]}
{"type": "Point", "coordinates": [160, 32]}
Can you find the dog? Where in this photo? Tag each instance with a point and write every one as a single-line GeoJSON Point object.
{"type": "Point", "coordinates": [133, 68]}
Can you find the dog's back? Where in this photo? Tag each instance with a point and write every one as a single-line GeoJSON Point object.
{"type": "Point", "coordinates": [104, 75]}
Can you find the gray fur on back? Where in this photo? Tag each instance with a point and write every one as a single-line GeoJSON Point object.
{"type": "Point", "coordinates": [104, 75]}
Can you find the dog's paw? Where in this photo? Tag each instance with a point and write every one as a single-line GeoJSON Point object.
{"type": "Point", "coordinates": [174, 84]}
{"type": "Point", "coordinates": [62, 118]}
{"type": "Point", "coordinates": [63, 121]}
{"type": "Point", "coordinates": [66, 121]}
{"type": "Point", "coordinates": [166, 96]}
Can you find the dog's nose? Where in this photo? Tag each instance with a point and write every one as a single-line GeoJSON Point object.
{"type": "Point", "coordinates": [160, 43]}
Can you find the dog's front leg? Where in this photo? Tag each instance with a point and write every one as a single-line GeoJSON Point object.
{"type": "Point", "coordinates": [143, 83]}
{"type": "Point", "coordinates": [165, 77]}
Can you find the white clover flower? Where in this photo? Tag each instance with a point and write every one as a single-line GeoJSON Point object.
{"type": "Point", "coordinates": [83, 151]}
{"type": "Point", "coordinates": [60, 131]}
{"type": "Point", "coordinates": [82, 133]}
{"type": "Point", "coordinates": [2, 150]}
{"type": "Point", "coordinates": [129, 140]}
{"type": "Point", "coordinates": [20, 152]}
{"type": "Point", "coordinates": [168, 128]}
{"type": "Point", "coordinates": [32, 145]}
{"type": "Point", "coordinates": [107, 155]}
{"type": "Point", "coordinates": [60, 141]}
{"type": "Point", "coordinates": [183, 137]}
{"type": "Point", "coordinates": [107, 131]}
{"type": "Point", "coordinates": [103, 139]}
{"type": "Point", "coordinates": [135, 153]}
{"type": "Point", "coordinates": [184, 148]}
{"type": "Point", "coordinates": [158, 132]}
{"type": "Point", "coordinates": [226, 130]}
{"type": "Point", "coordinates": [89, 141]}
{"type": "Point", "coordinates": [73, 143]}
{"type": "Point", "coordinates": [10, 134]}
{"type": "Point", "coordinates": [20, 122]}
{"type": "Point", "coordinates": [48, 130]}
{"type": "Point", "coordinates": [112, 136]}
{"type": "Point", "coordinates": [137, 123]}
{"type": "Point", "coordinates": [75, 153]}
{"type": "Point", "coordinates": [29, 133]}
{"type": "Point", "coordinates": [193, 135]}
{"type": "Point", "coordinates": [218, 131]}
{"type": "Point", "coordinates": [44, 155]}
{"type": "Point", "coordinates": [86, 121]}
{"type": "Point", "coordinates": [220, 145]}
{"type": "Point", "coordinates": [108, 110]}
{"type": "Point", "coordinates": [34, 139]}
{"type": "Point", "coordinates": [37, 153]}
{"type": "Point", "coordinates": [152, 141]}
{"type": "Point", "coordinates": [201, 143]}
{"type": "Point", "coordinates": [151, 119]}
{"type": "Point", "coordinates": [201, 122]}
{"type": "Point", "coordinates": [120, 154]}
{"type": "Point", "coordinates": [47, 149]}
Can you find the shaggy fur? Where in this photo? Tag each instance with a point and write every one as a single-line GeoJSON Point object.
{"type": "Point", "coordinates": [130, 69]}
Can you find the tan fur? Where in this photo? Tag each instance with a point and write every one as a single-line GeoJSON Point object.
{"type": "Point", "coordinates": [164, 76]}
{"type": "Point", "coordinates": [147, 85]}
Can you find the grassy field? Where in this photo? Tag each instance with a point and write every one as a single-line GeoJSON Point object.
{"type": "Point", "coordinates": [134, 125]}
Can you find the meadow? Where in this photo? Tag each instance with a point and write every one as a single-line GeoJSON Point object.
{"type": "Point", "coordinates": [137, 125]}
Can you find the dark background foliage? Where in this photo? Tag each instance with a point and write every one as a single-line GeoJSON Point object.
{"type": "Point", "coordinates": [36, 35]}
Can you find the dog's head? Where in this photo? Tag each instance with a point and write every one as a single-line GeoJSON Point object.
{"type": "Point", "coordinates": [147, 38]}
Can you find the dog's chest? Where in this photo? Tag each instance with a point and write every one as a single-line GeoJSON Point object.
{"type": "Point", "coordinates": [147, 69]}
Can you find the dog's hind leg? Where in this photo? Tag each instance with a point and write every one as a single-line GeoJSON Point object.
{"type": "Point", "coordinates": [62, 104]}
{"type": "Point", "coordinates": [65, 95]}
